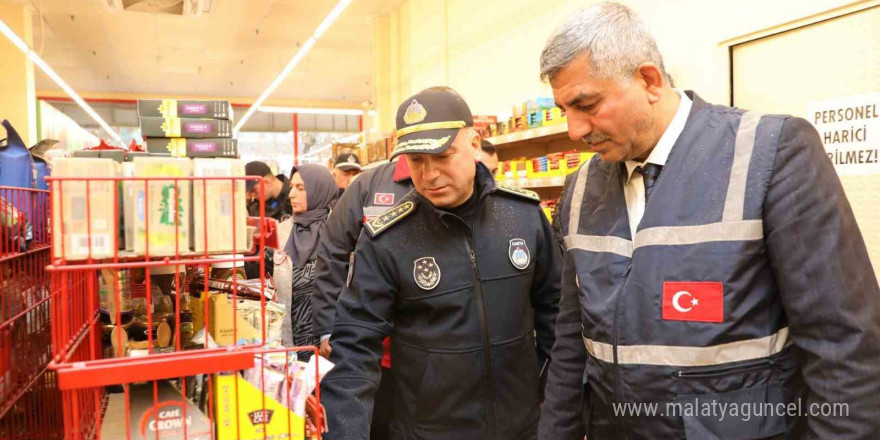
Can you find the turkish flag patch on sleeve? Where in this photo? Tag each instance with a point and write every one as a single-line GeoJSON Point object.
{"type": "Point", "coordinates": [700, 301]}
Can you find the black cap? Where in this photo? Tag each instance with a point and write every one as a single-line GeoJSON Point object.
{"type": "Point", "coordinates": [347, 161]}
{"type": "Point", "coordinates": [256, 168]}
{"type": "Point", "coordinates": [429, 121]}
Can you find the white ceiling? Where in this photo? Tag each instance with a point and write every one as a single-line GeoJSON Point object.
{"type": "Point", "coordinates": [233, 51]}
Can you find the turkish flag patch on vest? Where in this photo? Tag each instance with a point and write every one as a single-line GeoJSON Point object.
{"type": "Point", "coordinates": [700, 301]}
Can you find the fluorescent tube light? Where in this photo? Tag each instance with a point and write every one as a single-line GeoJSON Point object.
{"type": "Point", "coordinates": [331, 17]}
{"type": "Point", "coordinates": [303, 50]}
{"type": "Point", "coordinates": [22, 46]}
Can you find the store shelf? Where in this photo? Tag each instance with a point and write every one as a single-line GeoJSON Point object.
{"type": "Point", "coordinates": [545, 182]}
{"type": "Point", "coordinates": [531, 134]}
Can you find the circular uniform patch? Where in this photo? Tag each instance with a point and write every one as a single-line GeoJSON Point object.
{"type": "Point", "coordinates": [426, 273]}
{"type": "Point", "coordinates": [519, 253]}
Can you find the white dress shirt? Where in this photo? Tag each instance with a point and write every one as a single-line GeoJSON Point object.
{"type": "Point", "coordinates": [633, 186]}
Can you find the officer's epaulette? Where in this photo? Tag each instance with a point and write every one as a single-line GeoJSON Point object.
{"type": "Point", "coordinates": [379, 224]}
{"type": "Point", "coordinates": [518, 191]}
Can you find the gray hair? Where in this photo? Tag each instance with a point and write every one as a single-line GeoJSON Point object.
{"type": "Point", "coordinates": [611, 34]}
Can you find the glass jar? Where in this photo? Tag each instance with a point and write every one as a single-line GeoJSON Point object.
{"type": "Point", "coordinates": [228, 270]}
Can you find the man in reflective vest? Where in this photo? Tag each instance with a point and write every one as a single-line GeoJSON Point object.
{"type": "Point", "coordinates": [715, 282]}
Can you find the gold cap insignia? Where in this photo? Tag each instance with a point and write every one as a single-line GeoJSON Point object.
{"type": "Point", "coordinates": [415, 113]}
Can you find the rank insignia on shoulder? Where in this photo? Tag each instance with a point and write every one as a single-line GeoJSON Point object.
{"type": "Point", "coordinates": [518, 191]}
{"type": "Point", "coordinates": [379, 224]}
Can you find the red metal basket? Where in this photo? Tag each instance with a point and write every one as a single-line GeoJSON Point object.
{"type": "Point", "coordinates": [30, 402]}
{"type": "Point", "coordinates": [155, 386]}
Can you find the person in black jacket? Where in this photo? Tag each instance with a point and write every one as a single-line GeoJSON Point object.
{"type": "Point", "coordinates": [372, 194]}
{"type": "Point", "coordinates": [346, 167]}
{"type": "Point", "coordinates": [462, 273]}
{"type": "Point", "coordinates": [277, 190]}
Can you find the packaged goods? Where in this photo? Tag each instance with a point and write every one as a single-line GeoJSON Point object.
{"type": "Point", "coordinates": [186, 128]}
{"type": "Point", "coordinates": [167, 278]}
{"type": "Point", "coordinates": [225, 224]}
{"type": "Point", "coordinates": [252, 312]}
{"type": "Point", "coordinates": [225, 325]}
{"type": "Point", "coordinates": [247, 289]}
{"type": "Point", "coordinates": [114, 294]}
{"type": "Point", "coordinates": [227, 270]}
{"type": "Point", "coordinates": [180, 147]}
{"type": "Point", "coordinates": [163, 418]}
{"type": "Point", "coordinates": [168, 219]}
{"type": "Point", "coordinates": [179, 108]}
{"type": "Point", "coordinates": [245, 413]}
{"type": "Point", "coordinates": [84, 210]}
{"type": "Point", "coordinates": [278, 380]}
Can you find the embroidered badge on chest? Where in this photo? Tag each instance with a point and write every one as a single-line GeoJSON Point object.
{"type": "Point", "coordinates": [519, 253]}
{"type": "Point", "coordinates": [426, 273]}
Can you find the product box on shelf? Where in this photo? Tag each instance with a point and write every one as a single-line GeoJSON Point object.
{"type": "Point", "coordinates": [338, 149]}
{"type": "Point", "coordinates": [363, 153]}
{"type": "Point", "coordinates": [573, 161]}
{"type": "Point", "coordinates": [186, 128]}
{"type": "Point", "coordinates": [377, 151]}
{"type": "Point", "coordinates": [175, 108]}
{"type": "Point", "coordinates": [554, 116]}
{"type": "Point", "coordinates": [482, 124]}
{"type": "Point", "coordinates": [219, 198]}
{"type": "Point", "coordinates": [540, 103]}
{"type": "Point", "coordinates": [162, 416]}
{"type": "Point", "coordinates": [83, 210]}
{"type": "Point", "coordinates": [160, 207]}
{"type": "Point", "coordinates": [180, 147]}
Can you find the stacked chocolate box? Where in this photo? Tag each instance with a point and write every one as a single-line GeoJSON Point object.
{"type": "Point", "coordinates": [187, 128]}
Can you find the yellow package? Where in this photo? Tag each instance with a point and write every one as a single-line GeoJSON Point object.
{"type": "Point", "coordinates": [245, 418]}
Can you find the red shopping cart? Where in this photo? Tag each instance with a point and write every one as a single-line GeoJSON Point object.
{"type": "Point", "coordinates": [151, 340]}
{"type": "Point", "coordinates": [30, 403]}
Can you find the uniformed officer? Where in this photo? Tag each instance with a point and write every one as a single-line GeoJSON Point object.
{"type": "Point", "coordinates": [462, 273]}
{"type": "Point", "coordinates": [346, 167]}
{"type": "Point", "coordinates": [372, 194]}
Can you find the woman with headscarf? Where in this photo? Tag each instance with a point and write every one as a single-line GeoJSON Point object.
{"type": "Point", "coordinates": [312, 195]}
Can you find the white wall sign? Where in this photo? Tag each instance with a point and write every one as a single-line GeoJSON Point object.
{"type": "Point", "coordinates": [850, 129]}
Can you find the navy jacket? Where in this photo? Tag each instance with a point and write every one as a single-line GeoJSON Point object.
{"type": "Point", "coordinates": [462, 307]}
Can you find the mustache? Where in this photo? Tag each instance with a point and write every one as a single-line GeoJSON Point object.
{"type": "Point", "coordinates": [594, 138]}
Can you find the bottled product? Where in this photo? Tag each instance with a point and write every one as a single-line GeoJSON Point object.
{"type": "Point", "coordinates": [111, 282]}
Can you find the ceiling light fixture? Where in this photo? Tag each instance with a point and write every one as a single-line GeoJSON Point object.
{"type": "Point", "coordinates": [303, 50]}
{"type": "Point", "coordinates": [22, 46]}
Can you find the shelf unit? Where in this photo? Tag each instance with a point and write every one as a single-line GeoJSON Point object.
{"type": "Point", "coordinates": [532, 143]}
{"type": "Point", "coordinates": [529, 135]}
